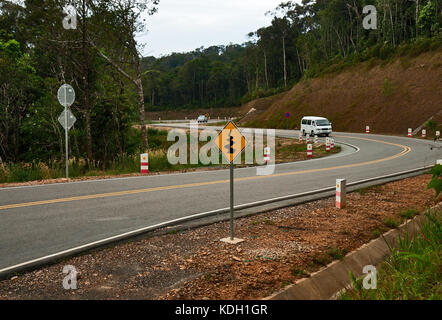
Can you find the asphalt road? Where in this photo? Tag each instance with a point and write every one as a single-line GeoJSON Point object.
{"type": "Point", "coordinates": [36, 221]}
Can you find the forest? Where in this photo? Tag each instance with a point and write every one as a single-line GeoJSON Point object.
{"type": "Point", "coordinates": [115, 85]}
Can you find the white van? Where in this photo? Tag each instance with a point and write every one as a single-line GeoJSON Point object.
{"type": "Point", "coordinates": [202, 119]}
{"type": "Point", "coordinates": [316, 126]}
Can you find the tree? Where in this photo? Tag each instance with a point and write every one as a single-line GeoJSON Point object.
{"type": "Point", "coordinates": [120, 21]}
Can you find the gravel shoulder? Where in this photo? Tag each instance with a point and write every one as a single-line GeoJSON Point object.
{"type": "Point", "coordinates": [280, 247]}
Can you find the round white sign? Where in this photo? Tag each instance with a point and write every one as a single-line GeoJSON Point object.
{"type": "Point", "coordinates": [66, 95]}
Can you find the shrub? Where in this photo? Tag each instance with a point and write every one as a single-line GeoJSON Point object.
{"type": "Point", "coordinates": [391, 223]}
{"type": "Point", "coordinates": [409, 214]}
{"type": "Point", "coordinates": [436, 181]}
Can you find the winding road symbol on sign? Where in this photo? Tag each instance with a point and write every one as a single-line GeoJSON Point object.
{"type": "Point", "coordinates": [230, 142]}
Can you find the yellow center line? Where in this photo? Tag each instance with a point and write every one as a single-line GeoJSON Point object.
{"type": "Point", "coordinates": [405, 150]}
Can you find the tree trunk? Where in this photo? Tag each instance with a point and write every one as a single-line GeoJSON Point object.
{"type": "Point", "coordinates": [285, 63]}
{"type": "Point", "coordinates": [265, 70]}
{"type": "Point", "coordinates": [85, 71]}
{"type": "Point", "coordinates": [140, 93]}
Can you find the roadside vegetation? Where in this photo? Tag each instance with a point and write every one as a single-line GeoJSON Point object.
{"type": "Point", "coordinates": [115, 85]}
{"type": "Point", "coordinates": [414, 270]}
{"type": "Point", "coordinates": [287, 150]}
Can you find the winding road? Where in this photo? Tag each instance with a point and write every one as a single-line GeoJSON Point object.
{"type": "Point", "coordinates": [37, 221]}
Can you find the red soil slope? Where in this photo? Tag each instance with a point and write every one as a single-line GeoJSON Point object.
{"type": "Point", "coordinates": [390, 98]}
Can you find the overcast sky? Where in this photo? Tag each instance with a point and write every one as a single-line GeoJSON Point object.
{"type": "Point", "coordinates": [184, 25]}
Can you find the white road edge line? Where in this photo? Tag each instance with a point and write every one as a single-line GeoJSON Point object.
{"type": "Point", "coordinates": [140, 231]}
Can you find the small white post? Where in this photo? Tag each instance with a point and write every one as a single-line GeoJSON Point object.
{"type": "Point", "coordinates": [309, 151]}
{"type": "Point", "coordinates": [341, 193]}
{"type": "Point", "coordinates": [144, 163]}
{"type": "Point", "coordinates": [267, 154]}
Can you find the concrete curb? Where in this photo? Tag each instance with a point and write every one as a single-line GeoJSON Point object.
{"type": "Point", "coordinates": [329, 281]}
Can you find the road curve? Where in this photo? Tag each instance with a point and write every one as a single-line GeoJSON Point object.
{"type": "Point", "coordinates": [37, 221]}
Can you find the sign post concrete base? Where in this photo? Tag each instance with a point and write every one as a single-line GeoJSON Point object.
{"type": "Point", "coordinates": [230, 241]}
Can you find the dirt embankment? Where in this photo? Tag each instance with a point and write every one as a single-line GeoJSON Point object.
{"type": "Point", "coordinates": [390, 98]}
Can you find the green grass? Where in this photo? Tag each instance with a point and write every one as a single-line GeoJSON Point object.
{"type": "Point", "coordinates": [414, 270]}
{"type": "Point", "coordinates": [330, 255]}
{"type": "Point", "coordinates": [391, 223]}
{"type": "Point", "coordinates": [297, 272]}
{"type": "Point", "coordinates": [79, 167]}
{"type": "Point", "coordinates": [336, 253]}
{"type": "Point", "coordinates": [376, 233]}
{"type": "Point", "coordinates": [409, 214]}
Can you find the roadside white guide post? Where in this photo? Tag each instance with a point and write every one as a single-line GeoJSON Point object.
{"type": "Point", "coordinates": [309, 151]}
{"type": "Point", "coordinates": [144, 163]}
{"type": "Point", "coordinates": [267, 154]}
{"type": "Point", "coordinates": [341, 193]}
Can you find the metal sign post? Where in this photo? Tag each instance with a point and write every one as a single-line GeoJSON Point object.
{"type": "Point", "coordinates": [232, 233]}
{"type": "Point", "coordinates": [66, 97]}
{"type": "Point", "coordinates": [231, 143]}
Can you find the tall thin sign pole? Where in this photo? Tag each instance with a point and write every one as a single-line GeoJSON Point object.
{"type": "Point", "coordinates": [66, 131]}
{"type": "Point", "coordinates": [231, 202]}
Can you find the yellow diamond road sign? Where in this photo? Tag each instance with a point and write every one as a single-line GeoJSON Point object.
{"type": "Point", "coordinates": [230, 141]}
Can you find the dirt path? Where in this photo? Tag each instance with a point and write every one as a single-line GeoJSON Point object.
{"type": "Point", "coordinates": [281, 246]}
